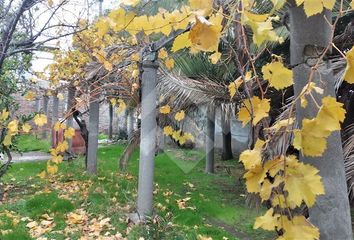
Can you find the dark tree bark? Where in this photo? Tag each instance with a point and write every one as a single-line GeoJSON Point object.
{"type": "Point", "coordinates": [210, 139]}
{"type": "Point", "coordinates": [83, 130]}
{"type": "Point", "coordinates": [45, 111]}
{"type": "Point", "coordinates": [110, 129]}
{"type": "Point", "coordinates": [69, 110]}
{"type": "Point", "coordinates": [55, 115]}
{"type": "Point", "coordinates": [226, 138]}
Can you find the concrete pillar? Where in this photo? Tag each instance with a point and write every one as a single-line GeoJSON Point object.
{"type": "Point", "coordinates": [148, 139]}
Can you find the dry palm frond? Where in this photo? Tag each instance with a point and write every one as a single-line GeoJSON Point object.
{"type": "Point", "coordinates": [338, 66]}
{"type": "Point", "coordinates": [196, 91]}
{"type": "Point", "coordinates": [348, 149]}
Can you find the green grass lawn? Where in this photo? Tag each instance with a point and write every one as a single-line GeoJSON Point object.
{"type": "Point", "coordinates": [188, 202]}
{"type": "Point", "coordinates": [29, 143]}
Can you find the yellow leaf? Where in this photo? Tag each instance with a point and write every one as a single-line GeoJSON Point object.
{"type": "Point", "coordinates": [331, 114]}
{"type": "Point", "coordinates": [53, 151]}
{"type": "Point", "coordinates": [135, 73]}
{"type": "Point", "coordinates": [313, 7]}
{"type": "Point", "coordinates": [286, 123]}
{"type": "Point", "coordinates": [50, 3]}
{"type": "Point", "coordinates": [108, 66]}
{"type": "Point", "coordinates": [7, 140]}
{"type": "Point", "coordinates": [163, 54]}
{"type": "Point", "coordinates": [233, 87]}
{"type": "Point", "coordinates": [113, 101]}
{"type": "Point", "coordinates": [26, 128]}
{"type": "Point", "coordinates": [260, 109]}
{"type": "Point", "coordinates": [62, 147]}
{"type": "Point", "coordinates": [349, 72]}
{"type": "Point", "coordinates": [279, 200]}
{"type": "Point", "coordinates": [102, 27]}
{"type": "Point", "coordinates": [135, 57]}
{"type": "Point", "coordinates": [60, 96]}
{"type": "Point", "coordinates": [215, 57]}
{"type": "Point", "coordinates": [4, 115]}
{"type": "Point", "coordinates": [119, 19]}
{"type": "Point", "coordinates": [204, 35]}
{"type": "Point", "coordinates": [302, 182]}
{"type": "Point", "coordinates": [74, 218]}
{"type": "Point", "coordinates": [165, 109]}
{"type": "Point", "coordinates": [30, 96]}
{"type": "Point", "coordinates": [58, 126]}
{"type": "Point", "coordinates": [272, 167]}
{"type": "Point", "coordinates": [13, 127]}
{"type": "Point", "coordinates": [261, 25]}
{"type": "Point", "coordinates": [52, 169]}
{"type": "Point", "coordinates": [251, 158]}
{"type": "Point", "coordinates": [254, 178]}
{"type": "Point", "coordinates": [180, 42]}
{"type": "Point", "coordinates": [57, 159]}
{"type": "Point", "coordinates": [299, 228]}
{"type": "Point", "coordinates": [168, 130]}
{"type": "Point", "coordinates": [352, 4]}
{"type": "Point", "coordinates": [42, 175]}
{"type": "Point", "coordinates": [311, 139]}
{"type": "Point", "coordinates": [201, 237]}
{"type": "Point", "coordinates": [205, 5]}
{"type": "Point", "coordinates": [121, 107]}
{"type": "Point", "coordinates": [180, 116]}
{"type": "Point", "coordinates": [131, 2]}
{"type": "Point", "coordinates": [269, 221]}
{"type": "Point", "coordinates": [69, 133]}
{"type": "Point", "coordinates": [267, 187]}
{"type": "Point", "coordinates": [277, 75]}
{"type": "Point", "coordinates": [40, 120]}
{"type": "Point", "coordinates": [278, 4]}
{"type": "Point", "coordinates": [169, 63]}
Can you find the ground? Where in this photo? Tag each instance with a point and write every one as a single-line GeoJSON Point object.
{"type": "Point", "coordinates": [73, 204]}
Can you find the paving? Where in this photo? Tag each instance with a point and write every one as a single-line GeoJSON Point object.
{"type": "Point", "coordinates": [28, 156]}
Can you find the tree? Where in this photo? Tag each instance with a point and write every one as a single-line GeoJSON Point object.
{"type": "Point", "coordinates": [226, 137]}
{"type": "Point", "coordinates": [20, 36]}
{"type": "Point", "coordinates": [210, 139]}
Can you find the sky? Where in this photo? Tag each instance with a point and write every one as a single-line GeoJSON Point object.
{"type": "Point", "coordinates": [75, 9]}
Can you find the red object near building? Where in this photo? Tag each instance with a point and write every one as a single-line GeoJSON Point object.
{"type": "Point", "coordinates": [78, 143]}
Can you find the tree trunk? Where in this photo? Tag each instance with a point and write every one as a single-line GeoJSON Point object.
{"type": "Point", "coordinates": [69, 109]}
{"type": "Point", "coordinates": [210, 139]}
{"type": "Point", "coordinates": [160, 140]}
{"type": "Point", "coordinates": [147, 139]}
{"type": "Point", "coordinates": [130, 123]}
{"type": "Point", "coordinates": [226, 137]}
{"type": "Point", "coordinates": [110, 129]}
{"type": "Point", "coordinates": [309, 36]}
{"type": "Point", "coordinates": [45, 111]}
{"type": "Point", "coordinates": [55, 116]}
{"type": "Point", "coordinates": [94, 112]}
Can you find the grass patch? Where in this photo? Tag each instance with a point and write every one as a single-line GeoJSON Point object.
{"type": "Point", "coordinates": [29, 143]}
{"type": "Point", "coordinates": [102, 136]}
{"type": "Point", "coordinates": [213, 203]}
{"type": "Point", "coordinates": [47, 203]}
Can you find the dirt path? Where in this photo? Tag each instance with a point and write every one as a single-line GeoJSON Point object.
{"type": "Point", "coordinates": [229, 229]}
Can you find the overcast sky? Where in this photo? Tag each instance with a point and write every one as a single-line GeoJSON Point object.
{"type": "Point", "coordinates": [75, 9]}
